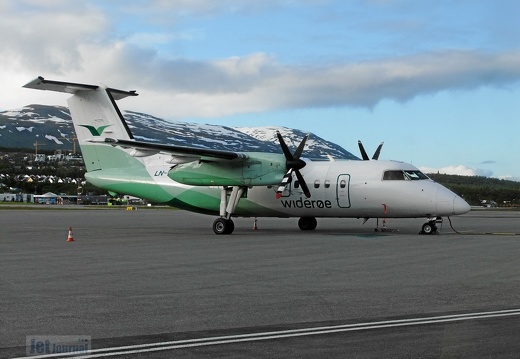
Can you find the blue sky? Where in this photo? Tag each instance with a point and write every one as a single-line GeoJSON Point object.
{"type": "Point", "coordinates": [438, 82]}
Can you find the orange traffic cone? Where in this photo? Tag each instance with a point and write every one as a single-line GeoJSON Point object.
{"type": "Point", "coordinates": [70, 238]}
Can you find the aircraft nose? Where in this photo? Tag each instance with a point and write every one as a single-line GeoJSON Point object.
{"type": "Point", "coordinates": [449, 203]}
{"type": "Point", "coordinates": [460, 206]}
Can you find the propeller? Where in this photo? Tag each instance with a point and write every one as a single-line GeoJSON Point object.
{"type": "Point", "coordinates": [364, 153]}
{"type": "Point", "coordinates": [293, 164]}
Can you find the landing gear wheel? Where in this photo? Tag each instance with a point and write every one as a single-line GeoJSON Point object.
{"type": "Point", "coordinates": [223, 226]}
{"type": "Point", "coordinates": [307, 223]}
{"type": "Point", "coordinates": [429, 228]}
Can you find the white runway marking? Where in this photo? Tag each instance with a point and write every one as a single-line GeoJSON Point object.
{"type": "Point", "coordinates": [229, 339]}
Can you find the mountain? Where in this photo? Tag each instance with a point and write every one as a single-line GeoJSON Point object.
{"type": "Point", "coordinates": [51, 127]}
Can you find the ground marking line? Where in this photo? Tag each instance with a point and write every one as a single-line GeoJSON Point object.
{"type": "Point", "coordinates": [142, 348]}
{"type": "Point", "coordinates": [289, 335]}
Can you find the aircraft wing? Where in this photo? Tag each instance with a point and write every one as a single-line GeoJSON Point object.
{"type": "Point", "coordinates": [181, 153]}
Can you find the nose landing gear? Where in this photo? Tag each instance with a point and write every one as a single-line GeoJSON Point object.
{"type": "Point", "coordinates": [430, 227]}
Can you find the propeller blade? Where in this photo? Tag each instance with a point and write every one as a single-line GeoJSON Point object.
{"type": "Point", "coordinates": [285, 149]}
{"type": "Point", "coordinates": [363, 152]}
{"type": "Point", "coordinates": [287, 178]}
{"type": "Point", "coordinates": [378, 151]}
{"type": "Point", "coordinates": [303, 184]}
{"type": "Point", "coordinates": [300, 148]}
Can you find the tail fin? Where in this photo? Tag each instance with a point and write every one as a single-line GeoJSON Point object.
{"type": "Point", "coordinates": [95, 116]}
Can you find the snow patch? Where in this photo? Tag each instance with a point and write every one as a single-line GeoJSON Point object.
{"type": "Point", "coordinates": [52, 138]}
{"type": "Point", "coordinates": [20, 129]}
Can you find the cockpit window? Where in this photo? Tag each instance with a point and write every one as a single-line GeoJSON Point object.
{"type": "Point", "coordinates": [393, 176]}
{"type": "Point", "coordinates": [398, 175]}
{"type": "Point", "coordinates": [415, 175]}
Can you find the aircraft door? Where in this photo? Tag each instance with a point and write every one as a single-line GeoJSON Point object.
{"type": "Point", "coordinates": [343, 191]}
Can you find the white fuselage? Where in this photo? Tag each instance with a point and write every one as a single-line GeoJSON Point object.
{"type": "Point", "coordinates": [339, 188]}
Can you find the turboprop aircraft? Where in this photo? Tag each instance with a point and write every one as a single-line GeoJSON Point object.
{"type": "Point", "coordinates": [244, 184]}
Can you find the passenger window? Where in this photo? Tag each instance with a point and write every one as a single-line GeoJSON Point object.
{"type": "Point", "coordinates": [343, 183]}
{"type": "Point", "coordinates": [327, 184]}
{"type": "Point", "coordinates": [393, 176]}
{"type": "Point", "coordinates": [317, 184]}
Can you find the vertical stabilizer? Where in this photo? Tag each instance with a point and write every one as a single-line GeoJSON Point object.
{"type": "Point", "coordinates": [95, 116]}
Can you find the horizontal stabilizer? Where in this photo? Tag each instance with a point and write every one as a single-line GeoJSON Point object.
{"type": "Point", "coordinates": [69, 87]}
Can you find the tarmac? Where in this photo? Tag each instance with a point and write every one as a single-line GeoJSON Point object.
{"type": "Point", "coordinates": [156, 283]}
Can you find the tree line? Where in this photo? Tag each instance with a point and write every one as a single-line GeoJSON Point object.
{"type": "Point", "coordinates": [475, 189]}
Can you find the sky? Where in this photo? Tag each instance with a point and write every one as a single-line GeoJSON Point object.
{"type": "Point", "coordinates": [437, 81]}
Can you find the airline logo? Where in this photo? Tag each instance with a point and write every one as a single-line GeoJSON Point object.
{"type": "Point", "coordinates": [96, 132]}
{"type": "Point", "coordinates": [306, 203]}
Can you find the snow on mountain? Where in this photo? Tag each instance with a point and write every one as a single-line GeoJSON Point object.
{"type": "Point", "coordinates": [52, 138]}
{"type": "Point", "coordinates": [192, 134]}
{"type": "Point", "coordinates": [51, 127]}
{"type": "Point", "coordinates": [20, 129]}
{"type": "Point", "coordinates": [317, 146]}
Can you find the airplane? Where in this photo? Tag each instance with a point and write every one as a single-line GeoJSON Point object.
{"type": "Point", "coordinates": [231, 184]}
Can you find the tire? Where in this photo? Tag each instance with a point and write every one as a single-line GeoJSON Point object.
{"type": "Point", "coordinates": [307, 223]}
{"type": "Point", "coordinates": [223, 226]}
{"type": "Point", "coordinates": [231, 227]}
{"type": "Point", "coordinates": [428, 228]}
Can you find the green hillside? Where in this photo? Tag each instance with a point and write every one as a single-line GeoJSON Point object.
{"type": "Point", "coordinates": [475, 189]}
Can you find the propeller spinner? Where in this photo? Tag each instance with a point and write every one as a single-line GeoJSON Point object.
{"type": "Point", "coordinates": [293, 164]}
{"type": "Point", "coordinates": [364, 153]}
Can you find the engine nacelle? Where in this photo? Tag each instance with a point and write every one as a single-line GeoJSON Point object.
{"type": "Point", "coordinates": [259, 169]}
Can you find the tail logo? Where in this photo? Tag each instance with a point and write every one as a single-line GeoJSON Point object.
{"type": "Point", "coordinates": [95, 131]}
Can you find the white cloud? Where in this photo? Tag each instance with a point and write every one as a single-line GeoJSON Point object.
{"type": "Point", "coordinates": [460, 170]}
{"type": "Point", "coordinates": [48, 39]}
{"type": "Point", "coordinates": [174, 8]}
{"type": "Point", "coordinates": [61, 44]}
{"type": "Point", "coordinates": [257, 82]}
{"type": "Point", "coordinates": [509, 178]}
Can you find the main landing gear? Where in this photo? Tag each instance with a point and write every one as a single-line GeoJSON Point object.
{"type": "Point", "coordinates": [229, 198]}
{"type": "Point", "coordinates": [430, 227]}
